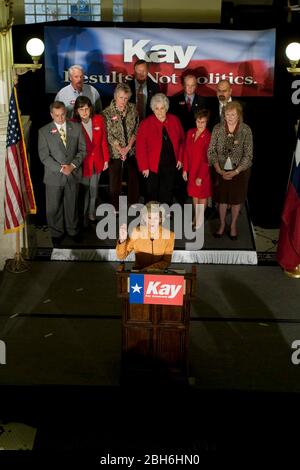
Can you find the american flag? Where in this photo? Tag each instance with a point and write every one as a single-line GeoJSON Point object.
{"type": "Point", "coordinates": [19, 197]}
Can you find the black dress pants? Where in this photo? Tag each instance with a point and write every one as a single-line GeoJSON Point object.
{"type": "Point", "coordinates": [116, 170]}
{"type": "Point", "coordinates": [160, 185]}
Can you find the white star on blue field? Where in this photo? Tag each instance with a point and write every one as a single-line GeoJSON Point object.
{"type": "Point", "coordinates": [136, 288]}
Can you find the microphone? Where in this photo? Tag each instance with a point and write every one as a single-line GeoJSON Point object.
{"type": "Point", "coordinates": [152, 240]}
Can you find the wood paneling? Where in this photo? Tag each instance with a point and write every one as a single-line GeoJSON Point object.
{"type": "Point", "coordinates": [155, 337]}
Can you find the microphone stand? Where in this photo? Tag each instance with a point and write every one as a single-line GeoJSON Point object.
{"type": "Point", "coordinates": [152, 254]}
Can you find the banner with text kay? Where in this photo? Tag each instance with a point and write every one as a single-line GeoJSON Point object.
{"type": "Point", "coordinates": [107, 55]}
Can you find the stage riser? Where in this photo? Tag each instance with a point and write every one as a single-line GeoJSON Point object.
{"type": "Point", "coordinates": [179, 256]}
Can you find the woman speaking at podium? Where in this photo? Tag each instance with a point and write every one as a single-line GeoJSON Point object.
{"type": "Point", "coordinates": [152, 244]}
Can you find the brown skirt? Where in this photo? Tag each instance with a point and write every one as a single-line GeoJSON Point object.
{"type": "Point", "coordinates": [231, 191]}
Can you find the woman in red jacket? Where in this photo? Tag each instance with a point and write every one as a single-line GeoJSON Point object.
{"type": "Point", "coordinates": [97, 153]}
{"type": "Point", "coordinates": [159, 149]}
{"type": "Point", "coordinates": [195, 163]}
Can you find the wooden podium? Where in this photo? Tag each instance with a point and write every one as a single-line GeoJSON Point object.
{"type": "Point", "coordinates": [155, 337]}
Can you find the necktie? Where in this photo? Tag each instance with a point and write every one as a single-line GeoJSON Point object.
{"type": "Point", "coordinates": [222, 114]}
{"type": "Point", "coordinates": [140, 102]}
{"type": "Point", "coordinates": [63, 136]}
{"type": "Point", "coordinates": [189, 103]}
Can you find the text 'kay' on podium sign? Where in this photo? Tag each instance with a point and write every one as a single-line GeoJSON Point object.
{"type": "Point", "coordinates": [156, 289]}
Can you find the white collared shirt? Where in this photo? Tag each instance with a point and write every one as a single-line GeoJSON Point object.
{"type": "Point", "coordinates": [88, 127]}
{"type": "Point", "coordinates": [191, 97]}
{"type": "Point", "coordinates": [221, 105]}
{"type": "Point", "coordinates": [59, 126]}
{"type": "Point", "coordinates": [228, 164]}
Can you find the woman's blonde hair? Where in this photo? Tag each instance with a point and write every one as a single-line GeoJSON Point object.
{"type": "Point", "coordinates": [235, 105]}
{"type": "Point", "coordinates": [123, 87]}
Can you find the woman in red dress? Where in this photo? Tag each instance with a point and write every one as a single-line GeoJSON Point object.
{"type": "Point", "coordinates": [195, 165]}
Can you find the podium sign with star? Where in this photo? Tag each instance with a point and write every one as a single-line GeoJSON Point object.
{"type": "Point", "coordinates": [156, 289]}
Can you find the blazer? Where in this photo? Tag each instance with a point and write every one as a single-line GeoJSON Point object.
{"type": "Point", "coordinates": [53, 153]}
{"type": "Point", "coordinates": [242, 147]}
{"type": "Point", "coordinates": [178, 106]}
{"type": "Point", "coordinates": [97, 152]}
{"type": "Point", "coordinates": [150, 254]}
{"type": "Point", "coordinates": [149, 141]}
{"type": "Point", "coordinates": [195, 154]}
{"type": "Point", "coordinates": [114, 126]}
{"type": "Point", "coordinates": [152, 89]}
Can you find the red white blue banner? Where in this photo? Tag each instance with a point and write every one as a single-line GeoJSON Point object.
{"type": "Point", "coordinates": [158, 289]}
{"type": "Point", "coordinates": [245, 58]}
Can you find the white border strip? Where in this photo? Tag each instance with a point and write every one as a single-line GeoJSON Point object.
{"type": "Point", "coordinates": [179, 256]}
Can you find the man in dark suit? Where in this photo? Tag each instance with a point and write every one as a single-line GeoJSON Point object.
{"type": "Point", "coordinates": [143, 88]}
{"type": "Point", "coordinates": [217, 105]}
{"type": "Point", "coordinates": [185, 104]}
{"type": "Point", "coordinates": [61, 149]}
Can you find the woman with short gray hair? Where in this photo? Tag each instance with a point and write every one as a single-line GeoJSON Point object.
{"type": "Point", "coordinates": [159, 150]}
{"type": "Point", "coordinates": [159, 98]}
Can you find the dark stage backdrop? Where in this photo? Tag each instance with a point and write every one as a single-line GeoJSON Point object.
{"type": "Point", "coordinates": [272, 118]}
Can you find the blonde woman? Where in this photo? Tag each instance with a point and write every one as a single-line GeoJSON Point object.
{"type": "Point", "coordinates": [152, 244]}
{"type": "Point", "coordinates": [230, 153]}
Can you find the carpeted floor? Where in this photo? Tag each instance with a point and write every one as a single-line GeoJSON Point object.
{"type": "Point", "coordinates": [62, 328]}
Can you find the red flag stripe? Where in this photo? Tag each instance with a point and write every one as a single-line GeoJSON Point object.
{"type": "Point", "coordinates": [22, 186]}
{"type": "Point", "coordinates": [26, 173]}
{"type": "Point", "coordinates": [10, 213]}
{"type": "Point", "coordinates": [13, 177]}
{"type": "Point", "coordinates": [13, 196]}
{"type": "Point", "coordinates": [14, 207]}
{"type": "Point", "coordinates": [19, 198]}
{"type": "Point", "coordinates": [27, 186]}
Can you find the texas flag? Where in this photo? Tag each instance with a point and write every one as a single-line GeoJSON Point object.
{"type": "Point", "coordinates": [156, 289]}
{"type": "Point", "coordinates": [288, 251]}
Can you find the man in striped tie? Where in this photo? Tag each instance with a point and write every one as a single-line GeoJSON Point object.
{"type": "Point", "coordinates": [61, 150]}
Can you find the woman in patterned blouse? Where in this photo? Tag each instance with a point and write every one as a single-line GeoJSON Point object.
{"type": "Point", "coordinates": [231, 152]}
{"type": "Point", "coordinates": [121, 123]}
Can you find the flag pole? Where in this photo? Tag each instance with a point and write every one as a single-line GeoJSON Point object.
{"type": "Point", "coordinates": [17, 265]}
{"type": "Point", "coordinates": [19, 184]}
{"type": "Point", "coordinates": [294, 273]}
